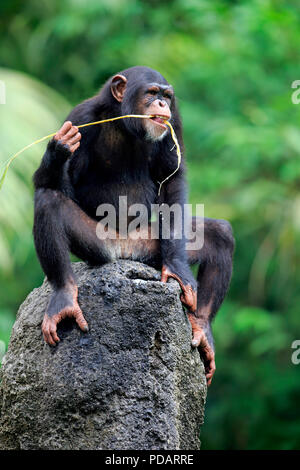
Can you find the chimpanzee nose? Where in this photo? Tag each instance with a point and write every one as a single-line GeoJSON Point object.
{"type": "Point", "coordinates": [162, 104]}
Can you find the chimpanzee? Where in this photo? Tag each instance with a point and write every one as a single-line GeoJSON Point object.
{"type": "Point", "coordinates": [128, 157]}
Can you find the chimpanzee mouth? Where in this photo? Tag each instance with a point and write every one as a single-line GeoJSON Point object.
{"type": "Point", "coordinates": [160, 120]}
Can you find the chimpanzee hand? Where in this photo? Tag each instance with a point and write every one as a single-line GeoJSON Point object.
{"type": "Point", "coordinates": [68, 135]}
{"type": "Point", "coordinates": [187, 283]}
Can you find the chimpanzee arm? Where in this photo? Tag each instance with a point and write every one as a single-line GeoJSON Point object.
{"type": "Point", "coordinates": [59, 149]}
{"type": "Point", "coordinates": [50, 173]}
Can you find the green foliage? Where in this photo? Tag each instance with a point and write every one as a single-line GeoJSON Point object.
{"type": "Point", "coordinates": [31, 109]}
{"type": "Point", "coordinates": [232, 65]}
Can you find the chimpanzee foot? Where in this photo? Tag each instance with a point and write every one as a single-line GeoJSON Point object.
{"type": "Point", "coordinates": [63, 303]}
{"type": "Point", "coordinates": [188, 296]}
{"type": "Point", "coordinates": [200, 341]}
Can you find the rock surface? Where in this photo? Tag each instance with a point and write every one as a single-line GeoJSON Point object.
{"type": "Point", "coordinates": [132, 382]}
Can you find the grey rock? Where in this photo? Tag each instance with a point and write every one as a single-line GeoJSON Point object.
{"type": "Point", "coordinates": [132, 382]}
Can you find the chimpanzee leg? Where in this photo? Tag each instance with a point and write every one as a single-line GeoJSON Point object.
{"type": "Point", "coordinates": [60, 226]}
{"type": "Point", "coordinates": [215, 259]}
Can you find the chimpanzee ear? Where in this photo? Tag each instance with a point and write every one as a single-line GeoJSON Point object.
{"type": "Point", "coordinates": [118, 87]}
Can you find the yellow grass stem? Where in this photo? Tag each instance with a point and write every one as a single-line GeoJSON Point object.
{"type": "Point", "coordinates": [141, 116]}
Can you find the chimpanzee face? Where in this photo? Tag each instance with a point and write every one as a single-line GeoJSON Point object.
{"type": "Point", "coordinates": [157, 102]}
{"type": "Point", "coordinates": [140, 96]}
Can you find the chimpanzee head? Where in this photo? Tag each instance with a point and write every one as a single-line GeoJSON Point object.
{"type": "Point", "coordinates": [141, 90]}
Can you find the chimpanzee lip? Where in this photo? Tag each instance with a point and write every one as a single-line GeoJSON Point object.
{"type": "Point", "coordinates": [161, 120]}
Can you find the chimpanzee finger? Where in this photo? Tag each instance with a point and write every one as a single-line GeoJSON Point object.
{"type": "Point", "coordinates": [49, 329]}
{"type": "Point", "coordinates": [196, 340]}
{"type": "Point", "coordinates": [73, 140]}
{"type": "Point", "coordinates": [207, 355]}
{"type": "Point", "coordinates": [71, 132]}
{"type": "Point", "coordinates": [53, 333]}
{"type": "Point", "coordinates": [48, 338]}
{"type": "Point", "coordinates": [210, 368]}
{"type": "Point", "coordinates": [208, 358]}
{"type": "Point", "coordinates": [209, 374]}
{"type": "Point", "coordinates": [81, 321]}
{"type": "Point", "coordinates": [63, 130]}
{"type": "Point", "coordinates": [65, 138]}
{"type": "Point", "coordinates": [74, 147]}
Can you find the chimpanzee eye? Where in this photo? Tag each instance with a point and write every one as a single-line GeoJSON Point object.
{"type": "Point", "coordinates": [168, 94]}
{"type": "Point", "coordinates": [152, 92]}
